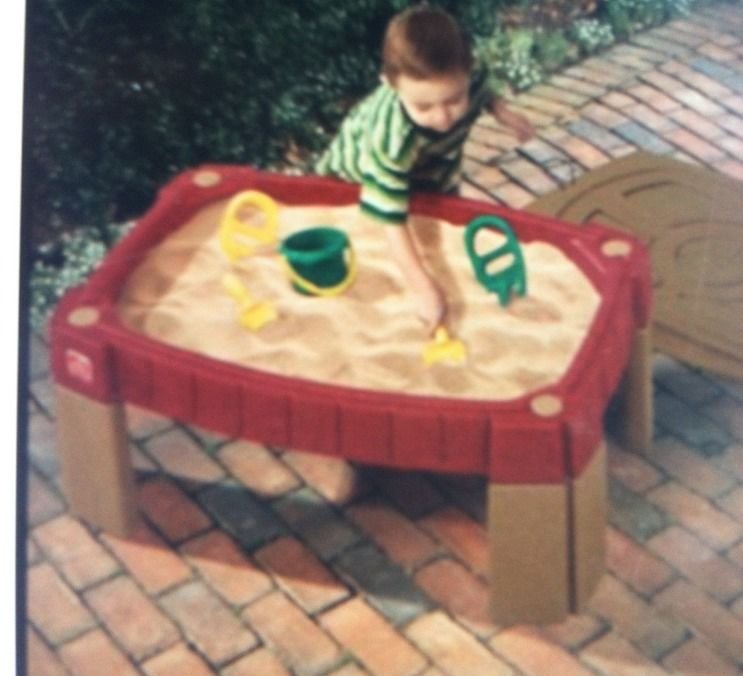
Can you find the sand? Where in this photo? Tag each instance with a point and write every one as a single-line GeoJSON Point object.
{"type": "Point", "coordinates": [369, 337]}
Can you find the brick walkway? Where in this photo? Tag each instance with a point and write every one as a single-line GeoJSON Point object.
{"type": "Point", "coordinates": [259, 561]}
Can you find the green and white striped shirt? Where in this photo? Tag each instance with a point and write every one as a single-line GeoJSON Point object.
{"type": "Point", "coordinates": [381, 148]}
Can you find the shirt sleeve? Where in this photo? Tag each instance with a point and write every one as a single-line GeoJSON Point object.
{"type": "Point", "coordinates": [388, 156]}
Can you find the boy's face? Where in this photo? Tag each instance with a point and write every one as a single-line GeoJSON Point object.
{"type": "Point", "coordinates": [434, 103]}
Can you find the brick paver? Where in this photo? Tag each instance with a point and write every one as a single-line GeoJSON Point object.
{"type": "Point", "coordinates": [695, 656]}
{"type": "Point", "coordinates": [226, 568]}
{"type": "Point", "coordinates": [461, 534]}
{"type": "Point", "coordinates": [258, 468]}
{"type": "Point", "coordinates": [207, 622]}
{"type": "Point", "coordinates": [401, 539]}
{"type": "Point", "coordinates": [79, 557]}
{"type": "Point", "coordinates": [700, 564]}
{"type": "Point", "coordinates": [372, 639]}
{"type": "Point", "coordinates": [652, 632]}
{"type": "Point", "coordinates": [175, 661]}
{"type": "Point", "coordinates": [149, 559]}
{"type": "Point", "coordinates": [130, 615]}
{"type": "Point", "coordinates": [451, 648]}
{"type": "Point", "coordinates": [86, 654]}
{"type": "Point", "coordinates": [632, 563]}
{"type": "Point", "coordinates": [53, 608]}
{"type": "Point", "coordinates": [261, 661]}
{"type": "Point", "coordinates": [271, 562]}
{"type": "Point", "coordinates": [181, 456]}
{"type": "Point", "coordinates": [614, 654]}
{"type": "Point", "coordinates": [302, 576]}
{"type": "Point", "coordinates": [297, 639]}
{"type": "Point", "coordinates": [40, 659]}
{"type": "Point", "coordinates": [719, 627]}
{"type": "Point", "coordinates": [459, 591]}
{"type": "Point", "coordinates": [532, 653]}
{"type": "Point", "coordinates": [44, 501]}
{"type": "Point", "coordinates": [700, 516]}
{"type": "Point", "coordinates": [171, 510]}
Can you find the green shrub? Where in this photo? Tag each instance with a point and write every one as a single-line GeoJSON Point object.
{"type": "Point", "coordinates": [520, 58]}
{"type": "Point", "coordinates": [66, 263]}
{"type": "Point", "coordinates": [122, 95]}
{"type": "Point", "coordinates": [591, 35]}
{"type": "Point", "coordinates": [509, 57]}
{"type": "Point", "coordinates": [629, 16]}
{"type": "Point", "coordinates": [553, 50]}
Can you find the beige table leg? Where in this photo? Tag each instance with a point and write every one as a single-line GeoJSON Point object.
{"type": "Point", "coordinates": [97, 474]}
{"type": "Point", "coordinates": [547, 546]}
{"type": "Point", "coordinates": [635, 397]}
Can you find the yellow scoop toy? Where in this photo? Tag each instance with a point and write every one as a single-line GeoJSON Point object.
{"type": "Point", "coordinates": [444, 348]}
{"type": "Point", "coordinates": [239, 238]}
{"type": "Point", "coordinates": [252, 314]}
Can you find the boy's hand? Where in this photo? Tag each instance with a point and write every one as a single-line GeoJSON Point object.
{"type": "Point", "coordinates": [431, 305]}
{"type": "Point", "coordinates": [429, 299]}
{"type": "Point", "coordinates": [516, 122]}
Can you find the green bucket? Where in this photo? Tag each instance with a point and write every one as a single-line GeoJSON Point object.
{"type": "Point", "coordinates": [316, 261]}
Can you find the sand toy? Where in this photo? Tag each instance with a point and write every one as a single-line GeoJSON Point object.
{"type": "Point", "coordinates": [240, 238]}
{"type": "Point", "coordinates": [504, 280]}
{"type": "Point", "coordinates": [444, 348]}
{"type": "Point", "coordinates": [252, 314]}
{"type": "Point", "coordinates": [319, 261]}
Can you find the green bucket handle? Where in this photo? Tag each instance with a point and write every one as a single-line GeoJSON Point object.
{"type": "Point", "coordinates": [510, 280]}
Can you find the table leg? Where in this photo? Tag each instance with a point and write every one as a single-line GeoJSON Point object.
{"type": "Point", "coordinates": [635, 396]}
{"type": "Point", "coordinates": [547, 546]}
{"type": "Point", "coordinates": [97, 473]}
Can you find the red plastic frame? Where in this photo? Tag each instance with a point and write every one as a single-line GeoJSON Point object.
{"type": "Point", "coordinates": [506, 441]}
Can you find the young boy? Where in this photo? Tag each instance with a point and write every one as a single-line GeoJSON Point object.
{"type": "Point", "coordinates": [408, 134]}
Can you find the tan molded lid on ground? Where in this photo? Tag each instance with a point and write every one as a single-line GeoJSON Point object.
{"type": "Point", "coordinates": [692, 220]}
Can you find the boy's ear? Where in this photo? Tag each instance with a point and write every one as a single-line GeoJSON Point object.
{"type": "Point", "coordinates": [384, 79]}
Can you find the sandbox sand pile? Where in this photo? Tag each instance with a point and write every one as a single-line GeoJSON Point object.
{"type": "Point", "coordinates": [369, 337]}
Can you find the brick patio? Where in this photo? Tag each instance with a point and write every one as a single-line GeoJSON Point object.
{"type": "Point", "coordinates": [258, 560]}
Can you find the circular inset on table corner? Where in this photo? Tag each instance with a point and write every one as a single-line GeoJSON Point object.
{"type": "Point", "coordinates": [616, 247]}
{"type": "Point", "coordinates": [84, 316]}
{"type": "Point", "coordinates": [546, 405]}
{"type": "Point", "coordinates": [206, 178]}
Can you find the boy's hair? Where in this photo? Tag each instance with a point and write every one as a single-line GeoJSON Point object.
{"type": "Point", "coordinates": [423, 41]}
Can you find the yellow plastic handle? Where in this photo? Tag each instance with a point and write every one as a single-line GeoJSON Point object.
{"type": "Point", "coordinates": [238, 238]}
{"type": "Point", "coordinates": [236, 289]}
{"type": "Point", "coordinates": [326, 291]}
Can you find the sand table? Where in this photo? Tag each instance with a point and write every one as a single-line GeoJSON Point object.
{"type": "Point", "coordinates": [370, 337]}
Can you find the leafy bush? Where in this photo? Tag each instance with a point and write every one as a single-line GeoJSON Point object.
{"type": "Point", "coordinates": [591, 35]}
{"type": "Point", "coordinates": [508, 54]}
{"type": "Point", "coordinates": [553, 50]}
{"type": "Point", "coordinates": [629, 16]}
{"type": "Point", "coordinates": [546, 14]}
{"type": "Point", "coordinates": [122, 95]}
{"type": "Point", "coordinates": [67, 263]}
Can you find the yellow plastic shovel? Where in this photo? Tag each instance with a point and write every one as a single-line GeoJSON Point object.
{"type": "Point", "coordinates": [444, 348]}
{"type": "Point", "coordinates": [252, 314]}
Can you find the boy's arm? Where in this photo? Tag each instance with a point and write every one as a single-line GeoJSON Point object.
{"type": "Point", "coordinates": [429, 298]}
{"type": "Point", "coordinates": [518, 123]}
